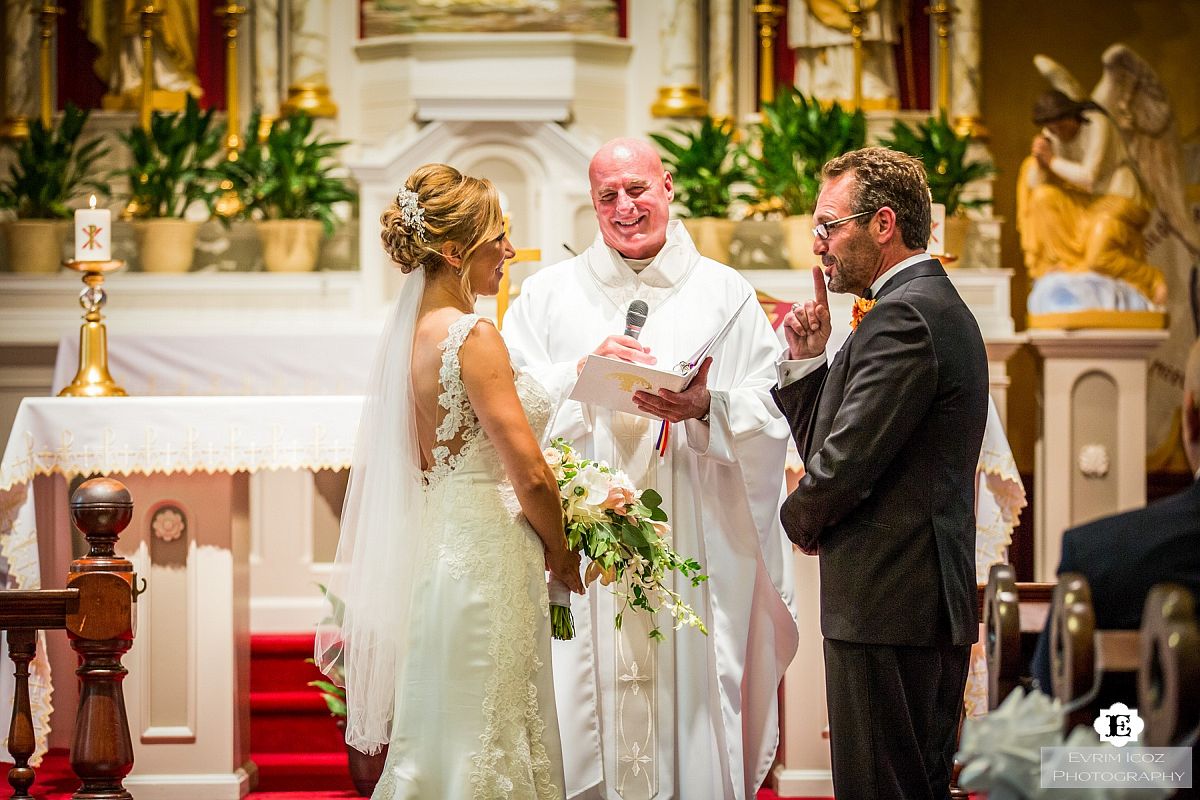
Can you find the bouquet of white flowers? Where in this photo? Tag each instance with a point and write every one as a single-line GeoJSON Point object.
{"type": "Point", "coordinates": [625, 534]}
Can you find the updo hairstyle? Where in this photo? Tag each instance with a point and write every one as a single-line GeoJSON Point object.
{"type": "Point", "coordinates": [453, 207]}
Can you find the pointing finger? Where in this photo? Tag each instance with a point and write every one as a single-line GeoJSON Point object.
{"type": "Point", "coordinates": [820, 293]}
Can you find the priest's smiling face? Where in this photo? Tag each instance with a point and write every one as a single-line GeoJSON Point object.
{"type": "Point", "coordinates": [632, 193]}
{"type": "Point", "coordinates": [850, 256]}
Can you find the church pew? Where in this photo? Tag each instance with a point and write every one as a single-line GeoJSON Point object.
{"type": "Point", "coordinates": [1090, 668]}
{"type": "Point", "coordinates": [1011, 630]}
{"type": "Point", "coordinates": [1169, 669]}
{"type": "Point", "coordinates": [1013, 617]}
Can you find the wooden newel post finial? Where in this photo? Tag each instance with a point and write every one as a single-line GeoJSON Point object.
{"type": "Point", "coordinates": [101, 631]}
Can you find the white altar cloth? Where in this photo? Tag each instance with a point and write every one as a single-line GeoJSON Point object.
{"type": "Point", "coordinates": [146, 435]}
{"type": "Point", "coordinates": [314, 362]}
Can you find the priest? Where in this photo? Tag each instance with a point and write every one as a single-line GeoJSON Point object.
{"type": "Point", "coordinates": [691, 716]}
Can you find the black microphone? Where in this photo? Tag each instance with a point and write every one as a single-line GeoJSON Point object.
{"type": "Point", "coordinates": [635, 318]}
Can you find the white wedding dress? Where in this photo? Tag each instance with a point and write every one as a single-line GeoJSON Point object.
{"type": "Point", "coordinates": [475, 716]}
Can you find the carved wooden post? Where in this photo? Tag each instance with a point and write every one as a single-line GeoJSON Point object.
{"type": "Point", "coordinates": [21, 645]}
{"type": "Point", "coordinates": [101, 631]}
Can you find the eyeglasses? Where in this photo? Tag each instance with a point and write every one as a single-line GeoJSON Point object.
{"type": "Point", "coordinates": [822, 230]}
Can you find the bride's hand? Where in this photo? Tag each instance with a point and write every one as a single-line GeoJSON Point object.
{"type": "Point", "coordinates": [564, 565]}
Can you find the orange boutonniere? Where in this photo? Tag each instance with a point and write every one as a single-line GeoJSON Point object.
{"type": "Point", "coordinates": [861, 307]}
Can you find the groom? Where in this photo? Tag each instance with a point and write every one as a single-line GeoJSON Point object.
{"type": "Point", "coordinates": [890, 432]}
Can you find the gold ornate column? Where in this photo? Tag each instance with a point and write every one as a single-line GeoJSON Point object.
{"type": "Point", "coordinates": [942, 14]}
{"type": "Point", "coordinates": [768, 15]}
{"type": "Point", "coordinates": [858, 17]}
{"type": "Point", "coordinates": [229, 204]}
{"type": "Point", "coordinates": [48, 15]}
{"type": "Point", "coordinates": [230, 16]}
{"type": "Point", "coordinates": [148, 16]}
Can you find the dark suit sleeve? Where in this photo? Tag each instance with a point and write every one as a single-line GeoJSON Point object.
{"type": "Point", "coordinates": [890, 385]}
{"type": "Point", "coordinates": [797, 401]}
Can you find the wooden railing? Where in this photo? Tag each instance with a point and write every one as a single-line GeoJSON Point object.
{"type": "Point", "coordinates": [97, 611]}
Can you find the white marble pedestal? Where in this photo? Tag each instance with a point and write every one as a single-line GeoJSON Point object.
{"type": "Point", "coordinates": [1091, 451]}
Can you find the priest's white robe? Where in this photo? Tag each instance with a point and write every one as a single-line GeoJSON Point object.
{"type": "Point", "coordinates": [692, 717]}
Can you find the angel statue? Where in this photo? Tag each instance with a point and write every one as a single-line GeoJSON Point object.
{"type": "Point", "coordinates": [1098, 172]}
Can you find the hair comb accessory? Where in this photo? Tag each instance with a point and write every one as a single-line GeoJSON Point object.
{"type": "Point", "coordinates": [411, 211]}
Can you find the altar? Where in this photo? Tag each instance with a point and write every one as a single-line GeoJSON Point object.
{"type": "Point", "coordinates": [188, 684]}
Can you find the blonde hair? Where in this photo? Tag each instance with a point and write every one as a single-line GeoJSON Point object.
{"type": "Point", "coordinates": [455, 209]}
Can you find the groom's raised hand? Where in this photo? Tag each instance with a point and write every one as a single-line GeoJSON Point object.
{"type": "Point", "coordinates": [806, 326]}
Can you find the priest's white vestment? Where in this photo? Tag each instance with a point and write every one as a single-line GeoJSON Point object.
{"type": "Point", "coordinates": [691, 717]}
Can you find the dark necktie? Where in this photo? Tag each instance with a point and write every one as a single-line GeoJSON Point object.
{"type": "Point", "coordinates": [868, 294]}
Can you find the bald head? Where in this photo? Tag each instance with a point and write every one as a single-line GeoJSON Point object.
{"type": "Point", "coordinates": [632, 195]}
{"type": "Point", "coordinates": [1191, 407]}
{"type": "Point", "coordinates": [628, 152]}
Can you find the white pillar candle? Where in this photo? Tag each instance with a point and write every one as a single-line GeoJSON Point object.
{"type": "Point", "coordinates": [93, 233]}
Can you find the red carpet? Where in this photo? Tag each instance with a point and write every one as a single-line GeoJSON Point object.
{"type": "Point", "coordinates": [293, 740]}
{"type": "Point", "coordinates": [55, 781]}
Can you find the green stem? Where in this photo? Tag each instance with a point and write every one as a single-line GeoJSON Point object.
{"type": "Point", "coordinates": [562, 623]}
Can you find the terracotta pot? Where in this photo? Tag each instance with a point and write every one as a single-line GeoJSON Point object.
{"type": "Point", "coordinates": [958, 228]}
{"type": "Point", "coordinates": [35, 245]}
{"type": "Point", "coordinates": [757, 244]}
{"type": "Point", "coordinates": [712, 236]}
{"type": "Point", "coordinates": [290, 245]}
{"type": "Point", "coordinates": [798, 241]}
{"type": "Point", "coordinates": [166, 245]}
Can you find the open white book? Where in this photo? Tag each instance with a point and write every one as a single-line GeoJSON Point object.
{"type": "Point", "coordinates": [610, 382]}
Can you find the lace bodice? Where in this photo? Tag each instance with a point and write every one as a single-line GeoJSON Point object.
{"type": "Point", "coordinates": [461, 443]}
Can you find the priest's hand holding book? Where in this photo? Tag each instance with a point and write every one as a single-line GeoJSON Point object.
{"type": "Point", "coordinates": [624, 348]}
{"type": "Point", "coordinates": [692, 403]}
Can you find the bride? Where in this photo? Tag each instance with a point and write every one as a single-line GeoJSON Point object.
{"type": "Point", "coordinates": [441, 623]}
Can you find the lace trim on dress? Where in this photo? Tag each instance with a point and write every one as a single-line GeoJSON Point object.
{"type": "Point", "coordinates": [460, 421]}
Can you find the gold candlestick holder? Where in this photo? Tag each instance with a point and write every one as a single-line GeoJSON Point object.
{"type": "Point", "coordinates": [93, 379]}
{"type": "Point", "coordinates": [768, 15]}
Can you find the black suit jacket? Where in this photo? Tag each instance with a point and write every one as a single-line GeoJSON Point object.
{"type": "Point", "coordinates": [890, 432]}
{"type": "Point", "coordinates": [1124, 556]}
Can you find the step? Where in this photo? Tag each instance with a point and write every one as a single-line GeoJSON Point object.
{"type": "Point", "coordinates": [278, 662]}
{"type": "Point", "coordinates": [294, 772]}
{"type": "Point", "coordinates": [292, 722]}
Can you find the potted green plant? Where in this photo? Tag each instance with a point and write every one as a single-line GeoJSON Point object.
{"type": "Point", "coordinates": [288, 184]}
{"type": "Point", "coordinates": [787, 149]}
{"type": "Point", "coordinates": [171, 169]}
{"type": "Point", "coordinates": [364, 769]}
{"type": "Point", "coordinates": [943, 151]}
{"type": "Point", "coordinates": [51, 167]}
{"type": "Point", "coordinates": [705, 162]}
